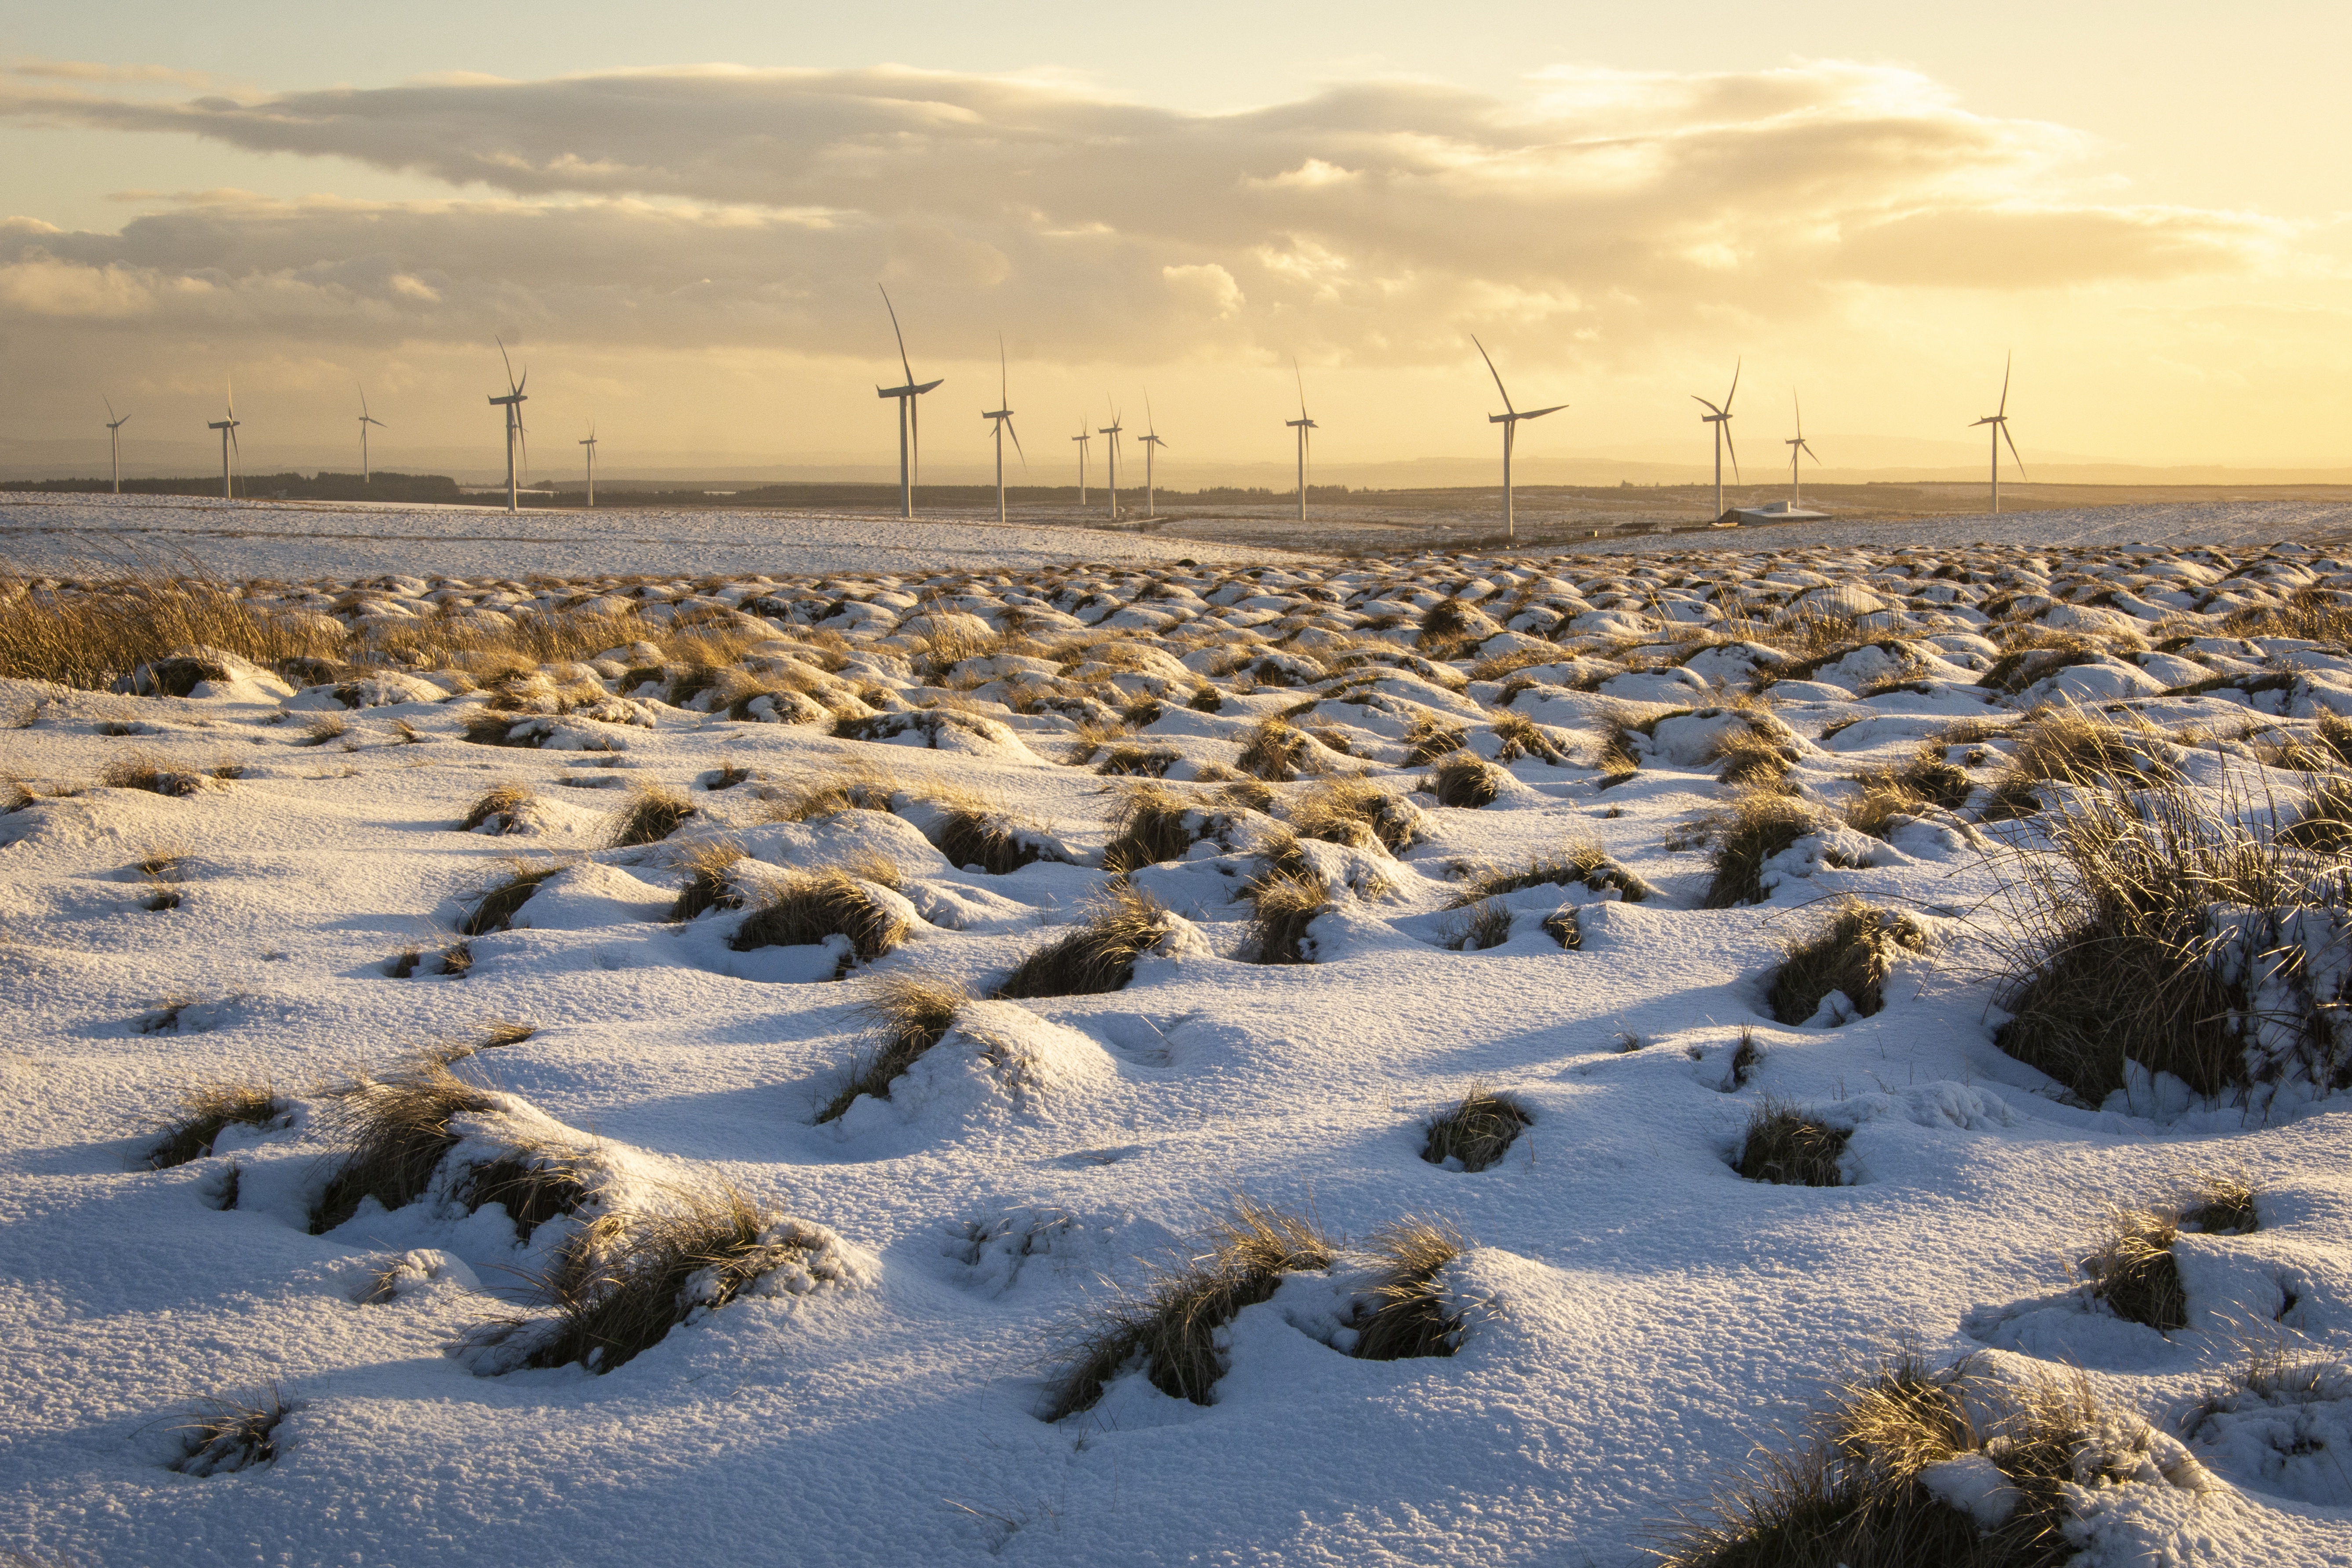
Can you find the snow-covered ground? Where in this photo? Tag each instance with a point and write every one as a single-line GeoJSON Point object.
{"type": "Point", "coordinates": [1634, 1317]}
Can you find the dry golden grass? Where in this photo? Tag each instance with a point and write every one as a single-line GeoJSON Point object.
{"type": "Point", "coordinates": [1276, 750]}
{"type": "Point", "coordinates": [504, 900]}
{"type": "Point", "coordinates": [651, 813]}
{"type": "Point", "coordinates": [1583, 860]}
{"type": "Point", "coordinates": [913, 1013]}
{"type": "Point", "coordinates": [393, 1131]}
{"type": "Point", "coordinates": [145, 771]}
{"type": "Point", "coordinates": [709, 884]}
{"type": "Point", "coordinates": [1852, 948]}
{"type": "Point", "coordinates": [2066, 745]}
{"type": "Point", "coordinates": [1478, 1129]}
{"type": "Point", "coordinates": [1463, 780]}
{"type": "Point", "coordinates": [1152, 824]}
{"type": "Point", "coordinates": [1784, 1146]}
{"type": "Point", "coordinates": [845, 787]}
{"type": "Point", "coordinates": [1282, 905]}
{"type": "Point", "coordinates": [1355, 812]}
{"type": "Point", "coordinates": [206, 1110]}
{"type": "Point", "coordinates": [1409, 1316]}
{"type": "Point", "coordinates": [807, 906]}
{"type": "Point", "coordinates": [88, 640]}
{"type": "Point", "coordinates": [1759, 824]}
{"type": "Point", "coordinates": [2220, 1203]}
{"type": "Point", "coordinates": [1096, 956]}
{"type": "Point", "coordinates": [232, 1432]}
{"type": "Point", "coordinates": [2133, 1271]}
{"type": "Point", "coordinates": [501, 807]}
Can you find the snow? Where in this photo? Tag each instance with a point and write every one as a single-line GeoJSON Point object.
{"type": "Point", "coordinates": [1636, 1318]}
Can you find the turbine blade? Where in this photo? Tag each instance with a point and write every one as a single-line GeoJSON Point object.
{"type": "Point", "coordinates": [1734, 385]}
{"type": "Point", "coordinates": [109, 409]}
{"type": "Point", "coordinates": [1301, 378]}
{"type": "Point", "coordinates": [1003, 377]}
{"type": "Point", "coordinates": [900, 335]}
{"type": "Point", "coordinates": [2012, 448]}
{"type": "Point", "coordinates": [1490, 370]}
{"type": "Point", "coordinates": [1008, 430]}
{"type": "Point", "coordinates": [1799, 405]}
{"type": "Point", "coordinates": [511, 387]}
{"type": "Point", "coordinates": [1702, 402]}
{"type": "Point", "coordinates": [1733, 448]}
{"type": "Point", "coordinates": [2006, 366]}
{"type": "Point", "coordinates": [915, 430]}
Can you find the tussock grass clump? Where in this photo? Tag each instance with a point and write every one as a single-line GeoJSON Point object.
{"type": "Point", "coordinates": [504, 900]}
{"type": "Point", "coordinates": [2066, 745]}
{"type": "Point", "coordinates": [144, 769]}
{"type": "Point", "coordinates": [2134, 1272]}
{"type": "Point", "coordinates": [845, 789]}
{"type": "Point", "coordinates": [2165, 933]}
{"type": "Point", "coordinates": [726, 776]}
{"type": "Point", "coordinates": [1154, 824]}
{"type": "Point", "coordinates": [709, 882]}
{"type": "Point", "coordinates": [1479, 926]}
{"type": "Point", "coordinates": [488, 727]}
{"type": "Point", "coordinates": [532, 1184]}
{"type": "Point", "coordinates": [232, 1432]}
{"type": "Point", "coordinates": [1137, 762]}
{"type": "Point", "coordinates": [1523, 737]}
{"type": "Point", "coordinates": [206, 1110]}
{"type": "Point", "coordinates": [89, 637]}
{"type": "Point", "coordinates": [2324, 823]}
{"type": "Point", "coordinates": [1851, 950]}
{"type": "Point", "coordinates": [807, 907]}
{"type": "Point", "coordinates": [1099, 954]}
{"type": "Point", "coordinates": [651, 813]}
{"type": "Point", "coordinates": [1884, 806]}
{"type": "Point", "coordinates": [974, 830]}
{"type": "Point", "coordinates": [1478, 1130]}
{"type": "Point", "coordinates": [662, 1267]}
{"type": "Point", "coordinates": [913, 1013]}
{"type": "Point", "coordinates": [499, 807]}
{"type": "Point", "coordinates": [1565, 927]}
{"type": "Point", "coordinates": [1409, 1316]}
{"type": "Point", "coordinates": [1750, 758]}
{"type": "Point", "coordinates": [1170, 1327]}
{"type": "Point", "coordinates": [1462, 779]}
{"type": "Point", "coordinates": [2221, 1203]}
{"type": "Point", "coordinates": [1583, 860]}
{"type": "Point", "coordinates": [1869, 1489]}
{"type": "Point", "coordinates": [1282, 905]}
{"type": "Point", "coordinates": [394, 1130]}
{"type": "Point", "coordinates": [1357, 813]}
{"type": "Point", "coordinates": [1276, 750]}
{"type": "Point", "coordinates": [1747, 1057]}
{"type": "Point", "coordinates": [324, 728]}
{"type": "Point", "coordinates": [1785, 1146]}
{"type": "Point", "coordinates": [1758, 825]}
{"type": "Point", "coordinates": [1428, 738]}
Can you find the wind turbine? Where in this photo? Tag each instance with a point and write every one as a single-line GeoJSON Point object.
{"type": "Point", "coordinates": [227, 428]}
{"type": "Point", "coordinates": [366, 419]}
{"type": "Point", "coordinates": [1151, 439]}
{"type": "Point", "coordinates": [114, 440]}
{"type": "Point", "coordinates": [1510, 420]}
{"type": "Point", "coordinates": [1003, 416]}
{"type": "Point", "coordinates": [1795, 446]}
{"type": "Point", "coordinates": [1721, 420]}
{"type": "Point", "coordinates": [1999, 423]}
{"type": "Point", "coordinates": [1303, 425]}
{"type": "Point", "coordinates": [1111, 469]}
{"type": "Point", "coordinates": [512, 403]}
{"type": "Point", "coordinates": [590, 447]}
{"type": "Point", "coordinates": [910, 422]}
{"type": "Point", "coordinates": [1082, 437]}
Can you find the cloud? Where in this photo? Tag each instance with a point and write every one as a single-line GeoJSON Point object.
{"type": "Point", "coordinates": [1370, 223]}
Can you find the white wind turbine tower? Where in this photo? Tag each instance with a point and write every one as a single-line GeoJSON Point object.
{"type": "Point", "coordinates": [1796, 443]}
{"type": "Point", "coordinates": [1721, 420]}
{"type": "Point", "coordinates": [909, 422]}
{"type": "Point", "coordinates": [1111, 460]}
{"type": "Point", "coordinates": [1082, 438]}
{"type": "Point", "coordinates": [366, 419]}
{"type": "Point", "coordinates": [1003, 416]}
{"type": "Point", "coordinates": [512, 403]}
{"type": "Point", "coordinates": [1998, 420]}
{"type": "Point", "coordinates": [588, 447]}
{"type": "Point", "coordinates": [1150, 440]}
{"type": "Point", "coordinates": [1303, 425]}
{"type": "Point", "coordinates": [227, 428]}
{"type": "Point", "coordinates": [1510, 420]}
{"type": "Point", "coordinates": [114, 440]}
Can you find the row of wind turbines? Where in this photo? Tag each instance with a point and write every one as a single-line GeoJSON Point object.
{"type": "Point", "coordinates": [1717, 416]}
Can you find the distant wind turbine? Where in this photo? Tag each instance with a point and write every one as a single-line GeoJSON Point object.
{"type": "Point", "coordinates": [512, 403]}
{"type": "Point", "coordinates": [1998, 420]}
{"type": "Point", "coordinates": [366, 419]}
{"type": "Point", "coordinates": [588, 449]}
{"type": "Point", "coordinates": [1510, 420]}
{"type": "Point", "coordinates": [1303, 425]}
{"type": "Point", "coordinates": [1721, 420]}
{"type": "Point", "coordinates": [910, 426]}
{"type": "Point", "coordinates": [1082, 438]}
{"type": "Point", "coordinates": [1111, 460]}
{"type": "Point", "coordinates": [1151, 441]}
{"type": "Point", "coordinates": [1796, 445]}
{"type": "Point", "coordinates": [227, 428]}
{"type": "Point", "coordinates": [1003, 416]}
{"type": "Point", "coordinates": [114, 440]}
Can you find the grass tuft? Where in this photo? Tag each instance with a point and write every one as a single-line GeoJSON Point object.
{"type": "Point", "coordinates": [394, 1130]}
{"type": "Point", "coordinates": [1478, 1130]}
{"type": "Point", "coordinates": [1409, 1316]}
{"type": "Point", "coordinates": [504, 900]}
{"type": "Point", "coordinates": [1276, 750]}
{"type": "Point", "coordinates": [1357, 813]}
{"type": "Point", "coordinates": [500, 808]}
{"type": "Point", "coordinates": [1462, 779]}
{"type": "Point", "coordinates": [1758, 825]}
{"type": "Point", "coordinates": [206, 1110]}
{"type": "Point", "coordinates": [2066, 745]}
{"type": "Point", "coordinates": [1582, 860]}
{"type": "Point", "coordinates": [709, 879]}
{"type": "Point", "coordinates": [1786, 1147]}
{"type": "Point", "coordinates": [843, 789]}
{"type": "Point", "coordinates": [807, 907]}
{"type": "Point", "coordinates": [974, 830]}
{"type": "Point", "coordinates": [913, 1013]}
{"type": "Point", "coordinates": [1154, 824]}
{"type": "Point", "coordinates": [2221, 1203]}
{"type": "Point", "coordinates": [1282, 905]}
{"type": "Point", "coordinates": [143, 770]}
{"type": "Point", "coordinates": [232, 1432]}
{"type": "Point", "coordinates": [651, 813]}
{"type": "Point", "coordinates": [1099, 954]}
{"type": "Point", "coordinates": [2133, 1271]}
{"type": "Point", "coordinates": [1851, 950]}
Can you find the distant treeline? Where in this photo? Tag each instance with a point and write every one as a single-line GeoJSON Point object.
{"type": "Point", "coordinates": [323, 486]}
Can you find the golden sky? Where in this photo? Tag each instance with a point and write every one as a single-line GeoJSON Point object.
{"type": "Point", "coordinates": [1869, 211]}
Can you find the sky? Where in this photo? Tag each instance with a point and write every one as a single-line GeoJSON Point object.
{"type": "Point", "coordinates": [676, 217]}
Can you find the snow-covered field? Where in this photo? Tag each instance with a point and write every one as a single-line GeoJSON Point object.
{"type": "Point", "coordinates": [1630, 1316]}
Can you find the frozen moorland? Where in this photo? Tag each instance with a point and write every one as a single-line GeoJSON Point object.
{"type": "Point", "coordinates": [1419, 1061]}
